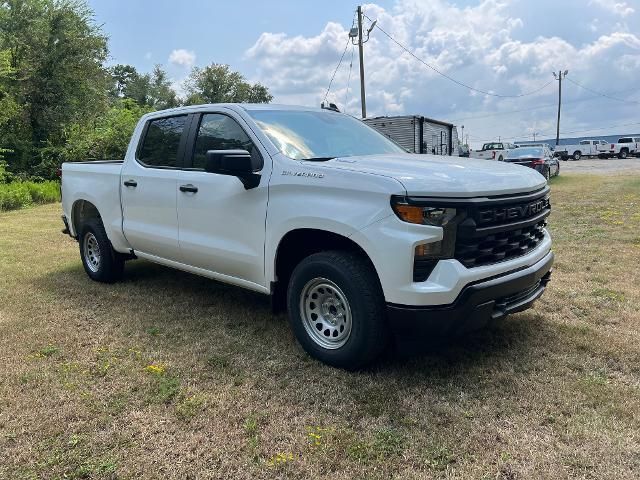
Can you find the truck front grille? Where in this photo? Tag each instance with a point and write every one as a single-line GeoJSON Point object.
{"type": "Point", "coordinates": [485, 250]}
{"type": "Point", "coordinates": [501, 229]}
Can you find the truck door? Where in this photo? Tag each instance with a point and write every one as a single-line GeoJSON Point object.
{"type": "Point", "coordinates": [148, 186]}
{"type": "Point", "coordinates": [221, 224]}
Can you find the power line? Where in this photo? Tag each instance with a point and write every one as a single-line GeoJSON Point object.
{"type": "Point", "coordinates": [336, 70]}
{"type": "Point", "coordinates": [600, 93]}
{"type": "Point", "coordinates": [477, 138]}
{"type": "Point", "coordinates": [602, 128]}
{"type": "Point", "coordinates": [346, 95]}
{"type": "Point", "coordinates": [536, 107]}
{"type": "Point", "coordinates": [458, 82]}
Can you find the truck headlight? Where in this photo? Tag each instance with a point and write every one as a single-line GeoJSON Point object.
{"type": "Point", "coordinates": [435, 216]}
{"type": "Point", "coordinates": [426, 255]}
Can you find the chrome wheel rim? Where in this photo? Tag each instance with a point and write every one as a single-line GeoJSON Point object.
{"type": "Point", "coordinates": [91, 252]}
{"type": "Point", "coordinates": [325, 313]}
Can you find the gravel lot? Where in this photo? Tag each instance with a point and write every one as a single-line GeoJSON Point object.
{"type": "Point", "coordinates": [601, 166]}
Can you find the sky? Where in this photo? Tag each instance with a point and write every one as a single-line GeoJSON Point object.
{"type": "Point", "coordinates": [503, 49]}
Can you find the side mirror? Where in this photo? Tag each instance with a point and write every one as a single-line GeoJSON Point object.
{"type": "Point", "coordinates": [236, 163]}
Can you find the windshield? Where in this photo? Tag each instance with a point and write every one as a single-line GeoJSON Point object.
{"type": "Point", "coordinates": [313, 135]}
{"type": "Point", "coordinates": [526, 152]}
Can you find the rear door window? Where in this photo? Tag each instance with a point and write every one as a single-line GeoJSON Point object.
{"type": "Point", "coordinates": [162, 141]}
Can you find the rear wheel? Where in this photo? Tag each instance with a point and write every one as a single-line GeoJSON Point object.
{"type": "Point", "coordinates": [557, 172]}
{"type": "Point", "coordinates": [547, 173]}
{"type": "Point", "coordinates": [337, 310]}
{"type": "Point", "coordinates": [101, 262]}
{"type": "Point", "coordinates": [623, 153]}
{"type": "Point", "coordinates": [500, 158]}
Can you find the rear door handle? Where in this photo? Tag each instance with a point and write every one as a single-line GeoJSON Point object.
{"type": "Point", "coordinates": [188, 188]}
{"type": "Point", "coordinates": [130, 183]}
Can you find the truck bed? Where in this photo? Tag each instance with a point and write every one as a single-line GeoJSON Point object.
{"type": "Point", "coordinates": [97, 182]}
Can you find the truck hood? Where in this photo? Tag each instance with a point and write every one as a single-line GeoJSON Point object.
{"type": "Point", "coordinates": [435, 175]}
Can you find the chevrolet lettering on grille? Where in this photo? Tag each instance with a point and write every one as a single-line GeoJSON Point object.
{"type": "Point", "coordinates": [501, 214]}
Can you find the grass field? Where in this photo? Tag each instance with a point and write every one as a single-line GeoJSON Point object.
{"type": "Point", "coordinates": [168, 375]}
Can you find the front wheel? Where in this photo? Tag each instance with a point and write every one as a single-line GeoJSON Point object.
{"type": "Point", "coordinates": [101, 262]}
{"type": "Point", "coordinates": [577, 155]}
{"type": "Point", "coordinates": [337, 310]}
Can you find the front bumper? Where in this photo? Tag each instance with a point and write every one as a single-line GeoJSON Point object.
{"type": "Point", "coordinates": [475, 306]}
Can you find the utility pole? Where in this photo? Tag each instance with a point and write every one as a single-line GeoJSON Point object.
{"type": "Point", "coordinates": [356, 33]}
{"type": "Point", "coordinates": [361, 52]}
{"type": "Point", "coordinates": [559, 77]}
{"type": "Point", "coordinates": [462, 136]}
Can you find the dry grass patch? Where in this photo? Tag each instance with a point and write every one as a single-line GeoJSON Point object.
{"type": "Point", "coordinates": [168, 375]}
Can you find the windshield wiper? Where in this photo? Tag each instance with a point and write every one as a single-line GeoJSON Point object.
{"type": "Point", "coordinates": [318, 159]}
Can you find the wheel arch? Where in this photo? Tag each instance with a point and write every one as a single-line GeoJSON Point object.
{"type": "Point", "coordinates": [299, 243]}
{"type": "Point", "coordinates": [81, 211]}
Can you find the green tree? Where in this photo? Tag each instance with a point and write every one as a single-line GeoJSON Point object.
{"type": "Point", "coordinates": [217, 83]}
{"type": "Point", "coordinates": [108, 138]}
{"type": "Point", "coordinates": [121, 76]}
{"type": "Point", "coordinates": [147, 90]}
{"type": "Point", "coordinates": [56, 54]}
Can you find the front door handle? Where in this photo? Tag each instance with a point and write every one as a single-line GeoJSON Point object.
{"type": "Point", "coordinates": [130, 183]}
{"type": "Point", "coordinates": [188, 188]}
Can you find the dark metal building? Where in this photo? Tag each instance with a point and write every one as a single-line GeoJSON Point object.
{"type": "Point", "coordinates": [418, 134]}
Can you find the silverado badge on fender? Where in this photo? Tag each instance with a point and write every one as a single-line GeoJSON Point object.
{"type": "Point", "coordinates": [303, 174]}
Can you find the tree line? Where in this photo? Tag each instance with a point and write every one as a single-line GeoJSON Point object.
{"type": "Point", "coordinates": [60, 101]}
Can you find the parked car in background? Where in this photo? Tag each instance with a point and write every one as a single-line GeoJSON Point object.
{"type": "Point", "coordinates": [359, 240]}
{"type": "Point", "coordinates": [493, 151]}
{"type": "Point", "coordinates": [538, 158]}
{"type": "Point", "coordinates": [586, 148]}
{"type": "Point", "coordinates": [625, 147]}
{"type": "Point", "coordinates": [464, 151]}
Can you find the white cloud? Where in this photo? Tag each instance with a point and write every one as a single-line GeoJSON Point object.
{"type": "Point", "coordinates": [482, 45]}
{"type": "Point", "coordinates": [182, 57]}
{"type": "Point", "coordinates": [615, 7]}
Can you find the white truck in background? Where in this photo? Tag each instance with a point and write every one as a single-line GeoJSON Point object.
{"type": "Point", "coordinates": [625, 147]}
{"type": "Point", "coordinates": [492, 151]}
{"type": "Point", "coordinates": [586, 148]}
{"type": "Point", "coordinates": [360, 241]}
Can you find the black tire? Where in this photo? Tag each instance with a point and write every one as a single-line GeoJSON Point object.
{"type": "Point", "coordinates": [547, 173]}
{"type": "Point", "coordinates": [501, 158]}
{"type": "Point", "coordinates": [577, 155]}
{"type": "Point", "coordinates": [623, 154]}
{"type": "Point", "coordinates": [557, 170]}
{"type": "Point", "coordinates": [110, 264]}
{"type": "Point", "coordinates": [357, 280]}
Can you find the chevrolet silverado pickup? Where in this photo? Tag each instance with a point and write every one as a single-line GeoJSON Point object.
{"type": "Point", "coordinates": [625, 147]}
{"type": "Point", "coordinates": [493, 151]}
{"type": "Point", "coordinates": [362, 243]}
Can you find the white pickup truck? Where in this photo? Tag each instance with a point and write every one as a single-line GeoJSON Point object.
{"type": "Point", "coordinates": [361, 241]}
{"type": "Point", "coordinates": [493, 151]}
{"type": "Point", "coordinates": [626, 146]}
{"type": "Point", "coordinates": [586, 148]}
